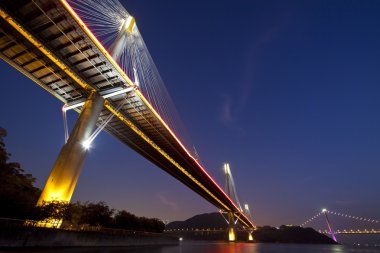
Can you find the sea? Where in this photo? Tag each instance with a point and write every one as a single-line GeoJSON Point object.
{"type": "Point", "coordinates": [212, 247]}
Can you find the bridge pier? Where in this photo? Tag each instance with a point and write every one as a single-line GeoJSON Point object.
{"type": "Point", "coordinates": [250, 236]}
{"type": "Point", "coordinates": [63, 178]}
{"type": "Point", "coordinates": [231, 227]}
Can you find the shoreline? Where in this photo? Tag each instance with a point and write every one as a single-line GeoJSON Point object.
{"type": "Point", "coordinates": [35, 237]}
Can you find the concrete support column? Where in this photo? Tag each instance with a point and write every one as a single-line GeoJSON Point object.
{"type": "Point", "coordinates": [250, 236]}
{"type": "Point", "coordinates": [118, 46]}
{"type": "Point", "coordinates": [64, 176]}
{"type": "Point", "coordinates": [231, 227]}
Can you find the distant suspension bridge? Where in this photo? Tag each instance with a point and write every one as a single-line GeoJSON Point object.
{"type": "Point", "coordinates": [363, 221]}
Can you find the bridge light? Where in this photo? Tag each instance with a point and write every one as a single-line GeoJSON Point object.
{"type": "Point", "coordinates": [127, 24]}
{"type": "Point", "coordinates": [231, 235]}
{"type": "Point", "coordinates": [227, 170]}
{"type": "Point", "coordinates": [324, 210]}
{"type": "Point", "coordinates": [86, 144]}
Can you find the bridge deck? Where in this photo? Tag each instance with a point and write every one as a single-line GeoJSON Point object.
{"type": "Point", "coordinates": [48, 44]}
{"type": "Point", "coordinates": [352, 232]}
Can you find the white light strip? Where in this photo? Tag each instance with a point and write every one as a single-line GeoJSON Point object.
{"type": "Point", "coordinates": [69, 107]}
{"type": "Point", "coordinates": [126, 90]}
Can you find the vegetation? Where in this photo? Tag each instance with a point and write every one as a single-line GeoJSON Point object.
{"type": "Point", "coordinates": [17, 193]}
{"type": "Point", "coordinates": [18, 198]}
{"type": "Point", "coordinates": [100, 215]}
{"type": "Point", "coordinates": [123, 219]}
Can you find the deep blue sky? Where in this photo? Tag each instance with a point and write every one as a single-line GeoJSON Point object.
{"type": "Point", "coordinates": [286, 91]}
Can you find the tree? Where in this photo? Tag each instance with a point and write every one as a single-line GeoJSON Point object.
{"type": "Point", "coordinates": [96, 214]}
{"type": "Point", "coordinates": [56, 210]}
{"type": "Point", "coordinates": [18, 195]}
{"type": "Point", "coordinates": [73, 215]}
{"type": "Point", "coordinates": [126, 220]}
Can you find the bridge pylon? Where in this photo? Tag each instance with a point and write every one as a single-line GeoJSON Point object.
{"type": "Point", "coordinates": [118, 46]}
{"type": "Point", "coordinates": [63, 178]}
{"type": "Point", "coordinates": [248, 214]}
{"type": "Point", "coordinates": [231, 191]}
{"type": "Point", "coordinates": [231, 227]}
{"type": "Point", "coordinates": [232, 218]}
{"type": "Point", "coordinates": [329, 225]}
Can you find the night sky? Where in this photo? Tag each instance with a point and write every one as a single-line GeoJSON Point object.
{"type": "Point", "coordinates": [287, 92]}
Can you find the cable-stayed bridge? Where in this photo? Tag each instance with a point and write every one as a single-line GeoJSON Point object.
{"type": "Point", "coordinates": [359, 225]}
{"type": "Point", "coordinates": [90, 55]}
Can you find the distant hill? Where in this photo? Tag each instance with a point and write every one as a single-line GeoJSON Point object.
{"type": "Point", "coordinates": [291, 234]}
{"type": "Point", "coordinates": [200, 221]}
{"type": "Point", "coordinates": [283, 234]}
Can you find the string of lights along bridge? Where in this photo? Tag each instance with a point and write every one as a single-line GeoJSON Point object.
{"type": "Point", "coordinates": [358, 220]}
{"type": "Point", "coordinates": [90, 55]}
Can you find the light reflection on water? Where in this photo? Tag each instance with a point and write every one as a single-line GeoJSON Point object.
{"type": "Point", "coordinates": [208, 247]}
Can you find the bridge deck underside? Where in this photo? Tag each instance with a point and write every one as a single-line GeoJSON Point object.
{"type": "Point", "coordinates": [50, 24]}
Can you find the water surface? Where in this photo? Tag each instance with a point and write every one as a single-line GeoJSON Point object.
{"type": "Point", "coordinates": [210, 247]}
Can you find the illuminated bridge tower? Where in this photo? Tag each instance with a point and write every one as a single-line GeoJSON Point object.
{"type": "Point", "coordinates": [63, 178]}
{"type": "Point", "coordinates": [331, 231]}
{"type": "Point", "coordinates": [247, 212]}
{"type": "Point", "coordinates": [118, 46]}
{"type": "Point", "coordinates": [231, 191]}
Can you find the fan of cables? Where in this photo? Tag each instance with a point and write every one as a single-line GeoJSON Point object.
{"type": "Point", "coordinates": [116, 29]}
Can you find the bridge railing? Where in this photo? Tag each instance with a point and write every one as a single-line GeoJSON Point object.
{"type": "Point", "coordinates": [352, 231]}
